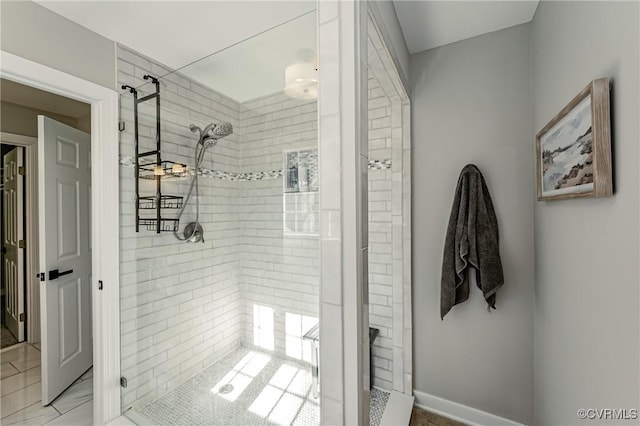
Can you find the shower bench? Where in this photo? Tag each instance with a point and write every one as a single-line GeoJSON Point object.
{"type": "Point", "coordinates": [313, 335]}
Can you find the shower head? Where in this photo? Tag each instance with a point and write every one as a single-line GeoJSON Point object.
{"type": "Point", "coordinates": [212, 132]}
{"type": "Point", "coordinates": [208, 137]}
{"type": "Point", "coordinates": [221, 130]}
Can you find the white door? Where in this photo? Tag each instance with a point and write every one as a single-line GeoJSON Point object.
{"type": "Point", "coordinates": [64, 191]}
{"type": "Point", "coordinates": [13, 244]}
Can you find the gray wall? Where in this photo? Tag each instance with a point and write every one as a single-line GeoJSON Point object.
{"type": "Point", "coordinates": [471, 103]}
{"type": "Point", "coordinates": [22, 120]}
{"type": "Point", "coordinates": [586, 315]}
{"type": "Point", "coordinates": [35, 33]}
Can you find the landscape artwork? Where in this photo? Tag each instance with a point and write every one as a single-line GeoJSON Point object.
{"type": "Point", "coordinates": [567, 153]}
{"type": "Point", "coordinates": [573, 151]}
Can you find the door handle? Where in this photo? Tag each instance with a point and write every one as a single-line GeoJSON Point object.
{"type": "Point", "coordinates": [54, 273]}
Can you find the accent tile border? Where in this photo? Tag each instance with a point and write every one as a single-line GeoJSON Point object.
{"type": "Point", "coordinates": [127, 161]}
{"type": "Point", "coordinates": [380, 164]}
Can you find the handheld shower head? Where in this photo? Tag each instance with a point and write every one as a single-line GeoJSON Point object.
{"type": "Point", "coordinates": [206, 138]}
{"type": "Point", "coordinates": [212, 132]}
{"type": "Point", "coordinates": [221, 130]}
{"type": "Point", "coordinates": [206, 132]}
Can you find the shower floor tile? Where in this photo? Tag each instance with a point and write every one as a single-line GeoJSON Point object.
{"type": "Point", "coordinates": [379, 399]}
{"type": "Point", "coordinates": [266, 390]}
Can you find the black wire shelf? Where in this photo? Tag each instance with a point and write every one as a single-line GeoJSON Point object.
{"type": "Point", "coordinates": [166, 202]}
{"type": "Point", "coordinates": [150, 166]}
{"type": "Point", "coordinates": [166, 225]}
{"type": "Point", "coordinates": [167, 169]}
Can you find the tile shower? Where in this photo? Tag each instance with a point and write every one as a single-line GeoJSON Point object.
{"type": "Point", "coordinates": [254, 281]}
{"type": "Point", "coordinates": [234, 309]}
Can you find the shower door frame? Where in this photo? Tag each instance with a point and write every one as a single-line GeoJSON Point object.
{"type": "Point", "coordinates": [105, 219]}
{"type": "Point", "coordinates": [343, 167]}
{"type": "Point", "coordinates": [395, 88]}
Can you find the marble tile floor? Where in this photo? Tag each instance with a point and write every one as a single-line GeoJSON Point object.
{"type": "Point", "coordinates": [20, 393]}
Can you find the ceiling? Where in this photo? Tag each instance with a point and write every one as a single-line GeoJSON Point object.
{"type": "Point", "coordinates": [429, 24]}
{"type": "Point", "coordinates": [176, 33]}
{"type": "Point", "coordinates": [30, 97]}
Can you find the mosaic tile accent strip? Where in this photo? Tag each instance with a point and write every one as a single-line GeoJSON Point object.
{"type": "Point", "coordinates": [219, 174]}
{"type": "Point", "coordinates": [378, 403]}
{"type": "Point", "coordinates": [265, 175]}
{"type": "Point", "coordinates": [380, 164]}
{"type": "Point", "coordinates": [251, 176]}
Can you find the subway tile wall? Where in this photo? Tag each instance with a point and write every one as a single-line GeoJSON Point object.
{"type": "Point", "coordinates": [380, 236]}
{"type": "Point", "coordinates": [184, 306]}
{"type": "Point", "coordinates": [181, 304]}
{"type": "Point", "coordinates": [279, 268]}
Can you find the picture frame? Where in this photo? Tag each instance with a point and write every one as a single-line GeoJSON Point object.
{"type": "Point", "coordinates": [573, 151]}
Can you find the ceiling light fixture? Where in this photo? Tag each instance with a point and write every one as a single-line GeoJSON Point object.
{"type": "Point", "coordinates": [301, 77]}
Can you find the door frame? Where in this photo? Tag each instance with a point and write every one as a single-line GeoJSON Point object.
{"type": "Point", "coordinates": [105, 219]}
{"type": "Point", "coordinates": [30, 145]}
{"type": "Point", "coordinates": [22, 235]}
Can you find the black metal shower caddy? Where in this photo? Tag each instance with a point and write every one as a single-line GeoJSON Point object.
{"type": "Point", "coordinates": [150, 168]}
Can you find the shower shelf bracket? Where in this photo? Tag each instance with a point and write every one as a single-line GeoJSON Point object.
{"type": "Point", "coordinates": [153, 169]}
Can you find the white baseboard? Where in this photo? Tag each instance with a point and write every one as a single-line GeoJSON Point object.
{"type": "Point", "coordinates": [459, 412]}
{"type": "Point", "coordinates": [12, 347]}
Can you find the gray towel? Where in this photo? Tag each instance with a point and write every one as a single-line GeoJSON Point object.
{"type": "Point", "coordinates": [471, 241]}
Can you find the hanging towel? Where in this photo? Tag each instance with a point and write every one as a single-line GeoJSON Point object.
{"type": "Point", "coordinates": [471, 241]}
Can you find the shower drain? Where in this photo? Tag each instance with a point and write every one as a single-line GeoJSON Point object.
{"type": "Point", "coordinates": [228, 388]}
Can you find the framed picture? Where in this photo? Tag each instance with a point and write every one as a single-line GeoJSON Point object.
{"type": "Point", "coordinates": [574, 149]}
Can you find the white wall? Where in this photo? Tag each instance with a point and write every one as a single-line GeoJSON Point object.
{"type": "Point", "coordinates": [471, 103]}
{"type": "Point", "coordinates": [587, 297]}
{"type": "Point", "coordinates": [35, 33]}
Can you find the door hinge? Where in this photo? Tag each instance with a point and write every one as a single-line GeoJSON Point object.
{"type": "Point", "coordinates": [21, 244]}
{"type": "Point", "coordinates": [121, 126]}
{"type": "Point", "coordinates": [99, 284]}
{"type": "Point", "coordinates": [21, 170]}
{"type": "Point", "coordinates": [22, 317]}
{"type": "Point", "coordinates": [123, 382]}
{"type": "Point", "coordinates": [41, 276]}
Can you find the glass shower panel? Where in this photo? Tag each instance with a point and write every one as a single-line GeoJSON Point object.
{"type": "Point", "coordinates": [219, 233]}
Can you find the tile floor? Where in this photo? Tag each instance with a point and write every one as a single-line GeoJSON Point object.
{"type": "Point", "coordinates": [267, 390]}
{"type": "Point", "coordinates": [377, 404]}
{"type": "Point", "coordinates": [20, 389]}
{"type": "Point", "coordinates": [7, 337]}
